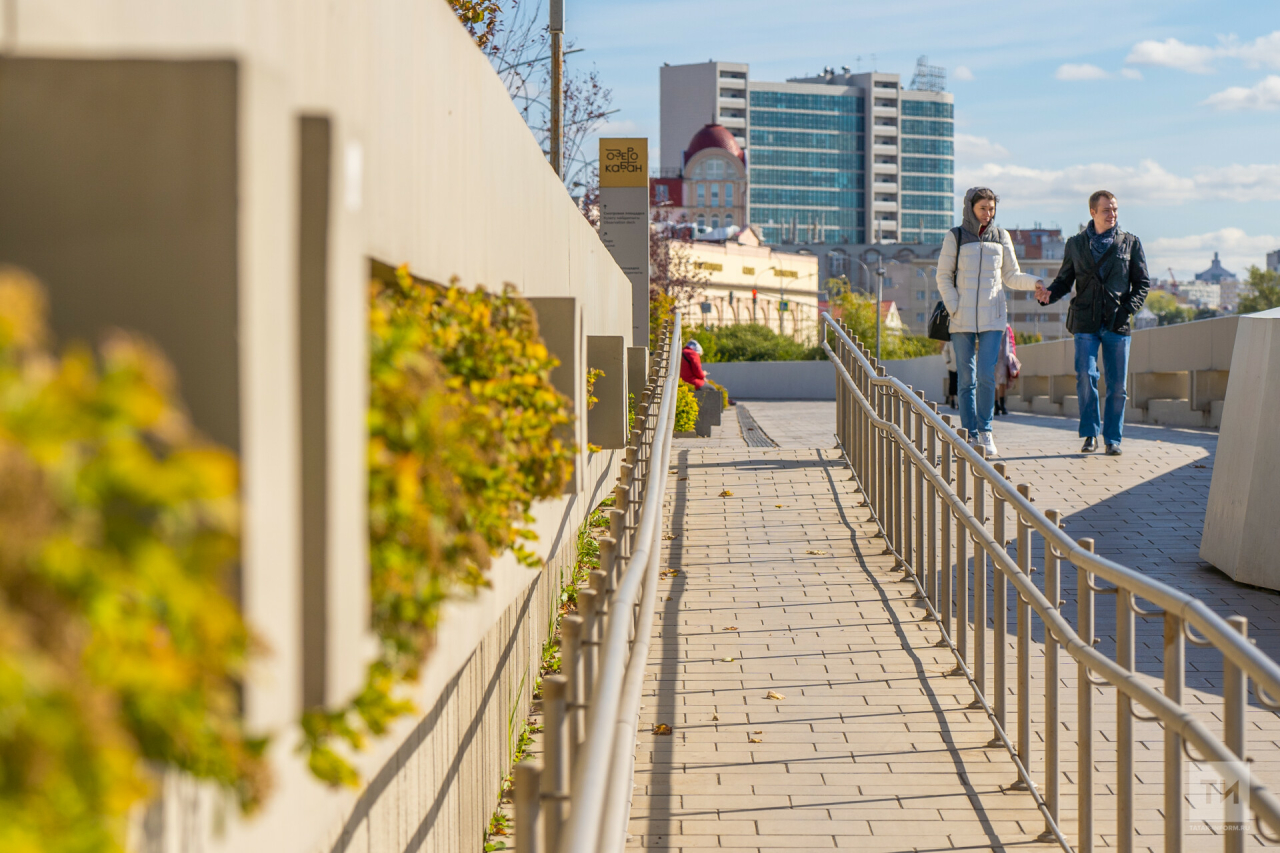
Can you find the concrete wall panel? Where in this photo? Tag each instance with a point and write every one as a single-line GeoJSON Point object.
{"type": "Point", "coordinates": [431, 166]}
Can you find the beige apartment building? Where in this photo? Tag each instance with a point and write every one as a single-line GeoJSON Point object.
{"type": "Point", "coordinates": [746, 282]}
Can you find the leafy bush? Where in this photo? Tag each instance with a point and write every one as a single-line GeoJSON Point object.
{"type": "Point", "coordinates": [1264, 291]}
{"type": "Point", "coordinates": [724, 392]}
{"type": "Point", "coordinates": [1021, 338]}
{"type": "Point", "coordinates": [748, 342]}
{"type": "Point", "coordinates": [118, 537]}
{"type": "Point", "coordinates": [686, 408]}
{"type": "Point", "coordinates": [464, 435]}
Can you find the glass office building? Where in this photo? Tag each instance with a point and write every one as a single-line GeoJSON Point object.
{"type": "Point", "coordinates": [841, 157]}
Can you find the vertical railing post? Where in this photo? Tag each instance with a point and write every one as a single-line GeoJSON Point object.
{"type": "Point", "coordinates": [1024, 640]}
{"type": "Point", "coordinates": [895, 488]}
{"type": "Point", "coordinates": [921, 569]}
{"type": "Point", "coordinates": [571, 668]}
{"type": "Point", "coordinates": [932, 528]}
{"type": "Point", "coordinates": [1000, 612]}
{"type": "Point", "coordinates": [527, 782]}
{"type": "Point", "coordinates": [1235, 695]}
{"type": "Point", "coordinates": [587, 638]}
{"type": "Point", "coordinates": [944, 588]}
{"type": "Point", "coordinates": [1084, 708]}
{"type": "Point", "coordinates": [1053, 592]}
{"type": "Point", "coordinates": [1124, 724]}
{"type": "Point", "coordinates": [555, 758]}
{"type": "Point", "coordinates": [1175, 651]}
{"type": "Point", "coordinates": [962, 555]}
{"type": "Point", "coordinates": [980, 585]}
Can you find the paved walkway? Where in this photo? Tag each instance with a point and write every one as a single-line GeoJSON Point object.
{"type": "Point", "coordinates": [781, 586]}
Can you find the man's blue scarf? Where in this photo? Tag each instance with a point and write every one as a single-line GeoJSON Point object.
{"type": "Point", "coordinates": [1099, 243]}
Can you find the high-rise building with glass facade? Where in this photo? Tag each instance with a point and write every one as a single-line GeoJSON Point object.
{"type": "Point", "coordinates": [836, 158]}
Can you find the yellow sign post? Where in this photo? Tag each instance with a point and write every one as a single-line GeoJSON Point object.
{"type": "Point", "coordinates": [624, 163]}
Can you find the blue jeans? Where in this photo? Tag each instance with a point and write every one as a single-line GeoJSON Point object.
{"type": "Point", "coordinates": [976, 355]}
{"type": "Point", "coordinates": [1115, 361]}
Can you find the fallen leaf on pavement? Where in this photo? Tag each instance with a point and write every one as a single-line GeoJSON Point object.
{"type": "Point", "coordinates": [729, 628]}
{"type": "Point", "coordinates": [726, 660]}
{"type": "Point", "coordinates": [726, 494]}
{"type": "Point", "coordinates": [668, 536]}
{"type": "Point", "coordinates": [715, 718]}
{"type": "Point", "coordinates": [754, 740]}
{"type": "Point", "coordinates": [818, 553]}
{"type": "Point", "coordinates": [661, 729]}
{"type": "Point", "coordinates": [773, 694]}
{"type": "Point", "coordinates": [757, 732]}
{"type": "Point", "coordinates": [779, 506]}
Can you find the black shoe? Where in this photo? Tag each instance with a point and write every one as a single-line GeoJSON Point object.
{"type": "Point", "coordinates": [1114, 450]}
{"type": "Point", "coordinates": [1090, 445]}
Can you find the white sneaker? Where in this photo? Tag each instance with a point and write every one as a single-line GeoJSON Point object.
{"type": "Point", "coordinates": [989, 444]}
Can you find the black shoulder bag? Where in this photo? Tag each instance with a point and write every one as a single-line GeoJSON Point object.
{"type": "Point", "coordinates": [940, 320]}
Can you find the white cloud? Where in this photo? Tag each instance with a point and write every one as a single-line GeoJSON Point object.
{"type": "Point", "coordinates": [1131, 73]}
{"type": "Point", "coordinates": [971, 148]}
{"type": "Point", "coordinates": [1172, 53]}
{"type": "Point", "coordinates": [1145, 184]}
{"type": "Point", "coordinates": [1262, 52]}
{"type": "Point", "coordinates": [1083, 71]}
{"type": "Point", "coordinates": [962, 73]}
{"type": "Point", "coordinates": [1192, 254]}
{"type": "Point", "coordinates": [1264, 95]}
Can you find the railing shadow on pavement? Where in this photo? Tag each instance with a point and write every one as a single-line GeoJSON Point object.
{"type": "Point", "coordinates": [931, 494]}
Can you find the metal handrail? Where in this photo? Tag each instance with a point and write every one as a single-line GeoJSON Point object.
{"type": "Point", "coordinates": [597, 795]}
{"type": "Point", "coordinates": [874, 438]}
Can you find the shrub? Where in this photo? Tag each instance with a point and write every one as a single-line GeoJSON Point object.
{"type": "Point", "coordinates": [747, 342]}
{"type": "Point", "coordinates": [464, 435]}
{"type": "Point", "coordinates": [724, 392]}
{"type": "Point", "coordinates": [119, 646]}
{"type": "Point", "coordinates": [686, 408]}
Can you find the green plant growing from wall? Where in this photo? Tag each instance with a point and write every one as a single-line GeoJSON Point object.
{"type": "Point", "coordinates": [686, 408]}
{"type": "Point", "coordinates": [464, 429]}
{"type": "Point", "coordinates": [120, 650]}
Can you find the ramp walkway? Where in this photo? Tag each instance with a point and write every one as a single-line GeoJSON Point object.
{"type": "Point", "coordinates": [807, 702]}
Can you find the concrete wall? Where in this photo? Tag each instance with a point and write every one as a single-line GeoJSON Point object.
{"type": "Point", "coordinates": [1241, 536]}
{"type": "Point", "coordinates": [776, 380]}
{"type": "Point", "coordinates": [1177, 375]}
{"type": "Point", "coordinates": [156, 161]}
{"type": "Point", "coordinates": [927, 374]}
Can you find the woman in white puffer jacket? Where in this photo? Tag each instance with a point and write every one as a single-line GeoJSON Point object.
{"type": "Point", "coordinates": [976, 264]}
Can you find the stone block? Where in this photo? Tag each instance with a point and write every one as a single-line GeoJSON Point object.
{"type": "Point", "coordinates": [1071, 405]}
{"type": "Point", "coordinates": [1240, 534]}
{"type": "Point", "coordinates": [560, 324]}
{"type": "Point", "coordinates": [1214, 421]}
{"type": "Point", "coordinates": [1174, 413]}
{"type": "Point", "coordinates": [1044, 405]}
{"type": "Point", "coordinates": [637, 371]}
{"type": "Point", "coordinates": [607, 417]}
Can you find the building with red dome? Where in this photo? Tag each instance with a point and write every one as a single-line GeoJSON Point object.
{"type": "Point", "coordinates": [710, 189]}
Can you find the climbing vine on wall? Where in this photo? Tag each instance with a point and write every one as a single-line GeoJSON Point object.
{"type": "Point", "coordinates": [464, 435]}
{"type": "Point", "coordinates": [119, 648]}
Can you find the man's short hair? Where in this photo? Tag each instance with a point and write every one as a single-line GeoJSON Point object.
{"type": "Point", "coordinates": [1098, 196]}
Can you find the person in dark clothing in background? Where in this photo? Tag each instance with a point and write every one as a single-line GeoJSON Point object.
{"type": "Point", "coordinates": [1108, 269]}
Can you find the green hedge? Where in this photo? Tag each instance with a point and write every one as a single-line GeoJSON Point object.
{"type": "Point", "coordinates": [464, 435]}
{"type": "Point", "coordinates": [120, 650]}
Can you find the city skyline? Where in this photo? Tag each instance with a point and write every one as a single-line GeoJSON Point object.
{"type": "Point", "coordinates": [1189, 95]}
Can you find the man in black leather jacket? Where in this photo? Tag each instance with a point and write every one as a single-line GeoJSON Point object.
{"type": "Point", "coordinates": [1108, 269]}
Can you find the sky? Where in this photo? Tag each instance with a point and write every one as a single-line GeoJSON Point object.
{"type": "Point", "coordinates": [1172, 105]}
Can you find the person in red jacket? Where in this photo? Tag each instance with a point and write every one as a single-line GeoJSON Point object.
{"type": "Point", "coordinates": [691, 365]}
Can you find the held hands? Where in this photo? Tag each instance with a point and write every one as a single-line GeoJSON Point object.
{"type": "Point", "coordinates": [1042, 293]}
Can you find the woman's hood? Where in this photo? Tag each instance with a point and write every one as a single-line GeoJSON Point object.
{"type": "Point", "coordinates": [969, 220]}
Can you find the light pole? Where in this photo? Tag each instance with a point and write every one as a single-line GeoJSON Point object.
{"type": "Point", "coordinates": [556, 25]}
